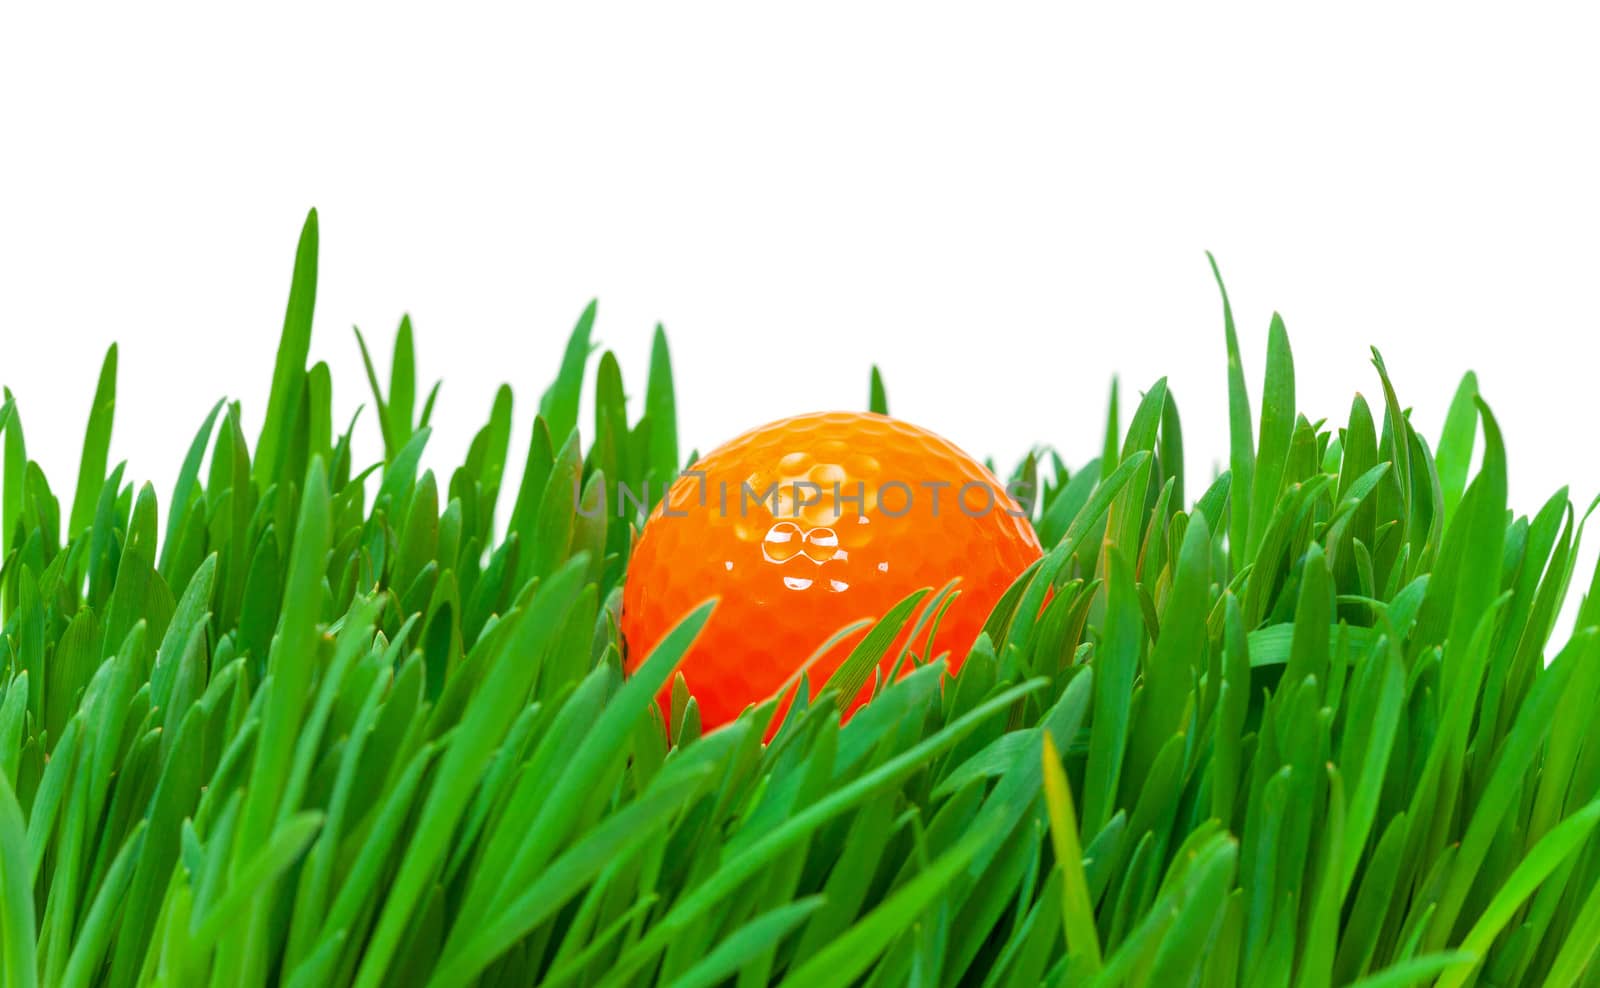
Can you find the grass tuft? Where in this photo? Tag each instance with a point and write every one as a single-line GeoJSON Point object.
{"type": "Point", "coordinates": [339, 726]}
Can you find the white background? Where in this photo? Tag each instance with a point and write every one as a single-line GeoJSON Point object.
{"type": "Point", "coordinates": [1001, 204]}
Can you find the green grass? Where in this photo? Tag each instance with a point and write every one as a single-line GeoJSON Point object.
{"type": "Point", "coordinates": [346, 723]}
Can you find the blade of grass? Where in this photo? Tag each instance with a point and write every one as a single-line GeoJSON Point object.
{"type": "Point", "coordinates": [877, 398]}
{"type": "Point", "coordinates": [1277, 428]}
{"type": "Point", "coordinates": [18, 956]}
{"type": "Point", "coordinates": [1077, 910]}
{"type": "Point", "coordinates": [661, 410]}
{"type": "Point", "coordinates": [559, 404]}
{"type": "Point", "coordinates": [1242, 456]}
{"type": "Point", "coordinates": [1454, 456]}
{"type": "Point", "coordinates": [289, 372]}
{"type": "Point", "coordinates": [96, 447]}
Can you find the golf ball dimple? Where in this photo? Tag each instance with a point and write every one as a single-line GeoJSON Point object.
{"type": "Point", "coordinates": [805, 525]}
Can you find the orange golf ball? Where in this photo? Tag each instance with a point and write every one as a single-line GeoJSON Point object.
{"type": "Point", "coordinates": [803, 526]}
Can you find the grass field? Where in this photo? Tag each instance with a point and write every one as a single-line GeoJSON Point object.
{"type": "Point", "coordinates": [324, 721]}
